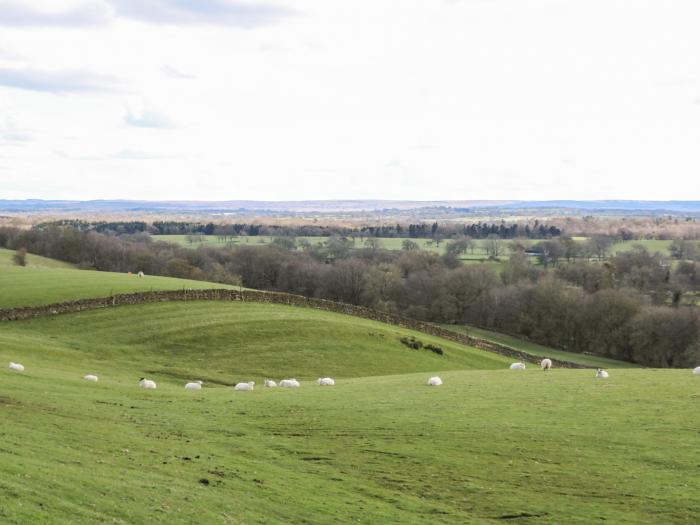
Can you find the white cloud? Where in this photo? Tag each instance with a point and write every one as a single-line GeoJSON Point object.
{"type": "Point", "coordinates": [87, 13]}
{"type": "Point", "coordinates": [207, 12]}
{"type": "Point", "coordinates": [474, 99]}
{"type": "Point", "coordinates": [21, 13]}
{"type": "Point", "coordinates": [56, 81]}
{"type": "Point", "coordinates": [10, 132]}
{"type": "Point", "coordinates": [148, 118]}
{"type": "Point", "coordinates": [176, 73]}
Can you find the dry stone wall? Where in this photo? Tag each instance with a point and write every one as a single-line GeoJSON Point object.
{"type": "Point", "coordinates": [15, 314]}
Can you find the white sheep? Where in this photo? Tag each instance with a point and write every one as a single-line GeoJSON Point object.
{"type": "Point", "coordinates": [696, 371]}
{"type": "Point", "coordinates": [91, 377]}
{"type": "Point", "coordinates": [517, 366]}
{"type": "Point", "coordinates": [434, 381]}
{"type": "Point", "coordinates": [195, 385]}
{"type": "Point", "coordinates": [289, 383]}
{"type": "Point", "coordinates": [147, 383]}
{"type": "Point", "coordinates": [546, 364]}
{"type": "Point", "coordinates": [16, 367]}
{"type": "Point", "coordinates": [269, 383]}
{"type": "Point", "coordinates": [245, 386]}
{"type": "Point", "coordinates": [325, 381]}
{"type": "Point", "coordinates": [599, 372]}
{"type": "Point", "coordinates": [140, 275]}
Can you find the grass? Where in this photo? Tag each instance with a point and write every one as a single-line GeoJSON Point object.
{"type": "Point", "coordinates": [391, 243]}
{"type": "Point", "coordinates": [45, 281]}
{"type": "Point", "coordinates": [537, 349]}
{"type": "Point", "coordinates": [489, 446]}
{"type": "Point", "coordinates": [33, 261]}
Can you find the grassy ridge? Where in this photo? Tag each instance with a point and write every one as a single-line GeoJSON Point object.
{"type": "Point", "coordinates": [487, 446]}
{"type": "Point", "coordinates": [227, 342]}
{"type": "Point", "coordinates": [45, 281]}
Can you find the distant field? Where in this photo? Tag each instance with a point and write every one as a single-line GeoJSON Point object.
{"type": "Point", "coordinates": [540, 350]}
{"type": "Point", "coordinates": [479, 252]}
{"type": "Point", "coordinates": [45, 281]}
{"type": "Point", "coordinates": [389, 243]}
{"type": "Point", "coordinates": [489, 446]}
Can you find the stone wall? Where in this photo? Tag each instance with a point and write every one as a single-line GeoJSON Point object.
{"type": "Point", "coordinates": [15, 314]}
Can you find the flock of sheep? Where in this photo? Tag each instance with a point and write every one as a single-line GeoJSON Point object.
{"type": "Point", "coordinates": [149, 384]}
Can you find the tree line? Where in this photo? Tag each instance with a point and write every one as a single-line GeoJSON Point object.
{"type": "Point", "coordinates": [625, 307]}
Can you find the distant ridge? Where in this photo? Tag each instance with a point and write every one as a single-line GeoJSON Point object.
{"type": "Point", "coordinates": [328, 206]}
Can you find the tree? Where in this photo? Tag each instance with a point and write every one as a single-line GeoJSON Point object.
{"type": "Point", "coordinates": [493, 246]}
{"type": "Point", "coordinates": [409, 246]}
{"type": "Point", "coordinates": [459, 246]}
{"type": "Point", "coordinates": [20, 257]}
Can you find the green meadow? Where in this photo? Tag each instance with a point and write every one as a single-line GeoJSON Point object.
{"type": "Point", "coordinates": [489, 446]}
{"type": "Point", "coordinates": [45, 281]}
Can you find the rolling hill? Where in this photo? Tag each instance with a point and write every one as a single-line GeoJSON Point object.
{"type": "Point", "coordinates": [489, 446]}
{"type": "Point", "coordinates": [45, 281]}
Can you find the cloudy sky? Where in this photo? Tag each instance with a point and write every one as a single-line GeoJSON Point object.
{"type": "Point", "coordinates": [321, 99]}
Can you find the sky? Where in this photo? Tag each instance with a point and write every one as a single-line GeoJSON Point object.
{"type": "Point", "coordinates": [369, 99]}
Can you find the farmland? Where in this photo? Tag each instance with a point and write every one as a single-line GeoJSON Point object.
{"type": "Point", "coordinates": [490, 444]}
{"type": "Point", "coordinates": [45, 281]}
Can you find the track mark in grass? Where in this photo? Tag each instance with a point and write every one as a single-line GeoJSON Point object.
{"type": "Point", "coordinates": [520, 515]}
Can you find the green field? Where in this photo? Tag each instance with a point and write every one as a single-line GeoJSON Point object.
{"type": "Point", "coordinates": [388, 243]}
{"type": "Point", "coordinates": [45, 281]}
{"type": "Point", "coordinates": [489, 446]}
{"type": "Point", "coordinates": [479, 252]}
{"type": "Point", "coordinates": [537, 349]}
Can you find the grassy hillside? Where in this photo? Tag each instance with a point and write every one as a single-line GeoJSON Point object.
{"type": "Point", "coordinates": [536, 349]}
{"type": "Point", "coordinates": [489, 446]}
{"type": "Point", "coordinates": [227, 342]}
{"type": "Point", "coordinates": [33, 261]}
{"type": "Point", "coordinates": [45, 281]}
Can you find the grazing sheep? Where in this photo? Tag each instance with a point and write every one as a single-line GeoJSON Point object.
{"type": "Point", "coordinates": [147, 383]}
{"type": "Point", "coordinates": [546, 364]}
{"type": "Point", "coordinates": [91, 377]}
{"type": "Point", "coordinates": [599, 372]}
{"type": "Point", "coordinates": [434, 381]}
{"type": "Point", "coordinates": [16, 367]}
{"type": "Point", "coordinates": [696, 370]}
{"type": "Point", "coordinates": [245, 386]}
{"type": "Point", "coordinates": [269, 383]}
{"type": "Point", "coordinates": [289, 383]}
{"type": "Point", "coordinates": [140, 275]}
{"type": "Point", "coordinates": [325, 381]}
{"type": "Point", "coordinates": [517, 366]}
{"type": "Point", "coordinates": [195, 385]}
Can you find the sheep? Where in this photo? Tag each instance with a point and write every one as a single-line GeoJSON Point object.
{"type": "Point", "coordinates": [16, 367]}
{"type": "Point", "coordinates": [269, 383]}
{"type": "Point", "coordinates": [245, 387]}
{"type": "Point", "coordinates": [140, 275]}
{"type": "Point", "coordinates": [546, 364]}
{"type": "Point", "coordinates": [434, 381]}
{"type": "Point", "coordinates": [147, 383]}
{"type": "Point", "coordinates": [696, 371]}
{"type": "Point", "coordinates": [517, 366]}
{"type": "Point", "coordinates": [91, 377]}
{"type": "Point", "coordinates": [325, 381]}
{"type": "Point", "coordinates": [289, 383]}
{"type": "Point", "coordinates": [599, 372]}
{"type": "Point", "coordinates": [195, 385]}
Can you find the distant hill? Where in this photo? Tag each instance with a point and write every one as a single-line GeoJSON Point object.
{"type": "Point", "coordinates": [330, 206]}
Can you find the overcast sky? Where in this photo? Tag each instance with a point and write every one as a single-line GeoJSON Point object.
{"type": "Point", "coordinates": [321, 99]}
